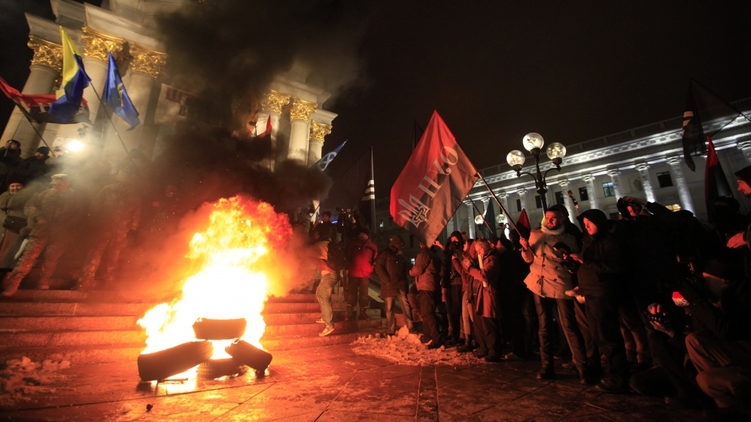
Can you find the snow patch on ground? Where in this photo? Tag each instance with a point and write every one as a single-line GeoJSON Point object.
{"type": "Point", "coordinates": [406, 349]}
{"type": "Point", "coordinates": [23, 377]}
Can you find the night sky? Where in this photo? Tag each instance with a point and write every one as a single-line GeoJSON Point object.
{"type": "Point", "coordinates": [496, 70]}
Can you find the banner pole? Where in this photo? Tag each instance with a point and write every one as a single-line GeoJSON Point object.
{"type": "Point", "coordinates": [480, 213]}
{"type": "Point", "coordinates": [508, 217]}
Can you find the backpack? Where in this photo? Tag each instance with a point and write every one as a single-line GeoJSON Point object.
{"type": "Point", "coordinates": [335, 258]}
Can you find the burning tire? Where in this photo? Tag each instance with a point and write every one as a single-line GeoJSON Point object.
{"type": "Point", "coordinates": [217, 368]}
{"type": "Point", "coordinates": [163, 364]}
{"type": "Point", "coordinates": [219, 329]}
{"type": "Point", "coordinates": [247, 354]}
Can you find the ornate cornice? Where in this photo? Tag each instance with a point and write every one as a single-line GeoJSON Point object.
{"type": "Point", "coordinates": [97, 45]}
{"type": "Point", "coordinates": [300, 109]}
{"type": "Point", "coordinates": [318, 131]}
{"type": "Point", "coordinates": [147, 61]}
{"type": "Point", "coordinates": [273, 102]}
{"type": "Point", "coordinates": [46, 53]}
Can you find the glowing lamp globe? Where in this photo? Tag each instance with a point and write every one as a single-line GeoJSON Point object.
{"type": "Point", "coordinates": [533, 140]}
{"type": "Point", "coordinates": [556, 151]}
{"type": "Point", "coordinates": [515, 159]}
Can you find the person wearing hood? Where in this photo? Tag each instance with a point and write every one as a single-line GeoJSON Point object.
{"type": "Point", "coordinates": [451, 284]}
{"type": "Point", "coordinates": [602, 283]}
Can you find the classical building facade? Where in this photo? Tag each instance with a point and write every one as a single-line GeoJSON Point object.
{"type": "Point", "coordinates": [127, 28]}
{"type": "Point", "coordinates": [645, 162]}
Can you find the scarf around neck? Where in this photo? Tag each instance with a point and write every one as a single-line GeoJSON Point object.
{"type": "Point", "coordinates": [558, 231]}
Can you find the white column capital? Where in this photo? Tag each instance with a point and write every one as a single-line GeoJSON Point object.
{"type": "Point", "coordinates": [613, 172]}
{"type": "Point", "coordinates": [673, 160]}
{"type": "Point", "coordinates": [563, 181]}
{"type": "Point", "coordinates": [522, 191]}
{"type": "Point", "coordinates": [642, 166]}
{"type": "Point", "coordinates": [503, 194]}
{"type": "Point", "coordinates": [588, 177]}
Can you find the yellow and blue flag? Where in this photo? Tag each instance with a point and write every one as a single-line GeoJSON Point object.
{"type": "Point", "coordinates": [75, 79]}
{"type": "Point", "coordinates": [328, 157]}
{"type": "Point", "coordinates": [116, 97]}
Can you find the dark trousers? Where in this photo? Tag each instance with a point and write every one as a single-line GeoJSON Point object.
{"type": "Point", "coordinates": [454, 310]}
{"type": "Point", "coordinates": [512, 320]}
{"type": "Point", "coordinates": [602, 318]}
{"type": "Point", "coordinates": [593, 353]}
{"type": "Point", "coordinates": [487, 335]}
{"type": "Point", "coordinates": [426, 299]}
{"type": "Point", "coordinates": [567, 318]}
{"type": "Point", "coordinates": [357, 292]}
{"type": "Point", "coordinates": [529, 313]}
{"type": "Point", "coordinates": [672, 357]}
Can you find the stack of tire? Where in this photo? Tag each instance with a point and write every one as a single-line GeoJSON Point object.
{"type": "Point", "coordinates": [160, 365]}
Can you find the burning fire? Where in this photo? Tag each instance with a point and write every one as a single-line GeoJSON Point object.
{"type": "Point", "coordinates": [233, 280]}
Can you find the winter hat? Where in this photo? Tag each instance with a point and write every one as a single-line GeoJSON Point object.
{"type": "Point", "coordinates": [59, 178]}
{"type": "Point", "coordinates": [744, 174]}
{"type": "Point", "coordinates": [44, 151]}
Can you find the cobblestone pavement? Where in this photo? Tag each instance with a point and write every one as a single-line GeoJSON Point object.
{"type": "Point", "coordinates": [334, 384]}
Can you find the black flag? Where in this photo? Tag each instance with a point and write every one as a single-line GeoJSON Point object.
{"type": "Point", "coordinates": [705, 115]}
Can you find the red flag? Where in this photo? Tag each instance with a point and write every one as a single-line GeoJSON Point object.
{"type": "Point", "coordinates": [36, 106]}
{"type": "Point", "coordinates": [266, 132]}
{"type": "Point", "coordinates": [523, 220]}
{"type": "Point", "coordinates": [433, 184]}
{"type": "Point", "coordinates": [715, 183]}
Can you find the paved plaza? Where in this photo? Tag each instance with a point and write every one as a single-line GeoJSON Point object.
{"type": "Point", "coordinates": [335, 384]}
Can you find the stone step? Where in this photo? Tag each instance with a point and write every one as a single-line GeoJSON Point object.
{"type": "Point", "coordinates": [94, 296]}
{"type": "Point", "coordinates": [59, 338]}
{"type": "Point", "coordinates": [74, 309]}
{"type": "Point", "coordinates": [66, 322]}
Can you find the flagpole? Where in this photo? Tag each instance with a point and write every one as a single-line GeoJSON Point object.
{"type": "Point", "coordinates": [31, 123]}
{"type": "Point", "coordinates": [508, 217]}
{"type": "Point", "coordinates": [480, 213]}
{"type": "Point", "coordinates": [111, 112]}
{"type": "Point", "coordinates": [372, 201]}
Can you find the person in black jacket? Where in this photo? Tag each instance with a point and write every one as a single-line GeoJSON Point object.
{"type": "Point", "coordinates": [601, 282]}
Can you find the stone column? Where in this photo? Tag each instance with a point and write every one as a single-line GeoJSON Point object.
{"type": "Point", "coordinates": [646, 183]}
{"type": "Point", "coordinates": [299, 114]}
{"type": "Point", "coordinates": [503, 196]}
{"type": "Point", "coordinates": [45, 70]}
{"type": "Point", "coordinates": [317, 132]}
{"type": "Point", "coordinates": [589, 179]}
{"type": "Point", "coordinates": [272, 103]}
{"type": "Point", "coordinates": [470, 219]}
{"type": "Point", "coordinates": [745, 147]}
{"type": "Point", "coordinates": [615, 176]}
{"type": "Point", "coordinates": [523, 197]}
{"type": "Point", "coordinates": [97, 46]}
{"type": "Point", "coordinates": [145, 67]}
{"type": "Point", "coordinates": [680, 181]}
{"type": "Point", "coordinates": [567, 202]}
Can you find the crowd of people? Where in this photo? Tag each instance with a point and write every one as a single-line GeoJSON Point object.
{"type": "Point", "coordinates": [90, 210]}
{"type": "Point", "coordinates": [655, 303]}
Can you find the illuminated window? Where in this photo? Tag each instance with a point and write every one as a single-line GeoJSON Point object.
{"type": "Point", "coordinates": [583, 194]}
{"type": "Point", "coordinates": [664, 179]}
{"type": "Point", "coordinates": [674, 207]}
{"type": "Point", "coordinates": [608, 189]}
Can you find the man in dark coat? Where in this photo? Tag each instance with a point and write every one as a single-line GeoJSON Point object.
{"type": "Point", "coordinates": [391, 267]}
{"type": "Point", "coordinates": [602, 283]}
{"type": "Point", "coordinates": [451, 284]}
{"type": "Point", "coordinates": [426, 272]}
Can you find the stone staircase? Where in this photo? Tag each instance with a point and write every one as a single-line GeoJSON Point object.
{"type": "Point", "coordinates": [101, 326]}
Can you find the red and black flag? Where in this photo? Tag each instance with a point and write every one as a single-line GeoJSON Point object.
{"type": "Point", "coordinates": [36, 106]}
{"type": "Point", "coordinates": [433, 184]}
{"type": "Point", "coordinates": [715, 183]}
{"type": "Point", "coordinates": [705, 115]}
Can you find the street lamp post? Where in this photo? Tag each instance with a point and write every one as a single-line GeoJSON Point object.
{"type": "Point", "coordinates": [533, 143]}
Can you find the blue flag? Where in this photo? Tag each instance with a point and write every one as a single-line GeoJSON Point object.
{"type": "Point", "coordinates": [116, 97]}
{"type": "Point", "coordinates": [329, 157]}
{"type": "Point", "coordinates": [74, 80]}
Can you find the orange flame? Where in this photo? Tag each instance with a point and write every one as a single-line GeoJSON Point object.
{"type": "Point", "coordinates": [234, 276]}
